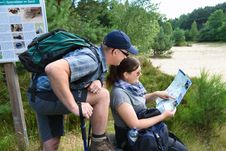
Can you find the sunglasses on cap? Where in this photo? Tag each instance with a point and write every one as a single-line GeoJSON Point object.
{"type": "Point", "coordinates": [124, 52]}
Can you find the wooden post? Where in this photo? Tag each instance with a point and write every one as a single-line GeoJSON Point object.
{"type": "Point", "coordinates": [16, 105]}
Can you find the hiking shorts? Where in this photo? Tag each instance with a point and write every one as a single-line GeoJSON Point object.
{"type": "Point", "coordinates": [50, 112]}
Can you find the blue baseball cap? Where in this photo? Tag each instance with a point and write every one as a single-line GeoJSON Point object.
{"type": "Point", "coordinates": [119, 40]}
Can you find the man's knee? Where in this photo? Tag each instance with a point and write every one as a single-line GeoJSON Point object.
{"type": "Point", "coordinates": [104, 93]}
{"type": "Point", "coordinates": [104, 96]}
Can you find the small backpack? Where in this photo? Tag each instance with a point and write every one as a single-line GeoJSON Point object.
{"type": "Point", "coordinates": [51, 46]}
{"type": "Point", "coordinates": [154, 138]}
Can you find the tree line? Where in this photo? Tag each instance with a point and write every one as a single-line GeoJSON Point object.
{"type": "Point", "coordinates": [203, 25]}
{"type": "Point", "coordinates": [149, 30]}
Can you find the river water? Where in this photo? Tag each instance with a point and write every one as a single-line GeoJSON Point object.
{"type": "Point", "coordinates": [192, 60]}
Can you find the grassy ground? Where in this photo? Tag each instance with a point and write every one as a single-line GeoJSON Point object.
{"type": "Point", "coordinates": [72, 141]}
{"type": "Point", "coordinates": [217, 143]}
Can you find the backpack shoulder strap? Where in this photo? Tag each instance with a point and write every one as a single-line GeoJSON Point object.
{"type": "Point", "coordinates": [33, 89]}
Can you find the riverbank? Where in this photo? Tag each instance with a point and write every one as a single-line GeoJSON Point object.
{"type": "Point", "coordinates": [192, 60]}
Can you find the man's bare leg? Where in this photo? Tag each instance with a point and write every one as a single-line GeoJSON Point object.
{"type": "Point", "coordinates": [51, 144]}
{"type": "Point", "coordinates": [100, 103]}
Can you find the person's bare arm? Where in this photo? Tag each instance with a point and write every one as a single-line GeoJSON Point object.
{"type": "Point", "coordinates": [58, 73]}
{"type": "Point", "coordinates": [154, 95]}
{"type": "Point", "coordinates": [127, 113]}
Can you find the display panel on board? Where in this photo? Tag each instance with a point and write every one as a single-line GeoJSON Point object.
{"type": "Point", "coordinates": [20, 22]}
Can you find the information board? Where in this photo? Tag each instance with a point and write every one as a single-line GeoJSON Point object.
{"type": "Point", "coordinates": [20, 22]}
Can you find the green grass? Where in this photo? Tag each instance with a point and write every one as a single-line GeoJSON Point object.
{"type": "Point", "coordinates": [7, 138]}
{"type": "Point", "coordinates": [72, 141]}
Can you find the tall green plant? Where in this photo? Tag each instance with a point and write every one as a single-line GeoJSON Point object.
{"type": "Point", "coordinates": [58, 14]}
{"type": "Point", "coordinates": [91, 19]}
{"type": "Point", "coordinates": [205, 111]}
{"type": "Point", "coordinates": [140, 24]}
{"type": "Point", "coordinates": [179, 37]}
{"type": "Point", "coordinates": [168, 30]}
{"type": "Point", "coordinates": [194, 31]}
{"type": "Point", "coordinates": [162, 43]}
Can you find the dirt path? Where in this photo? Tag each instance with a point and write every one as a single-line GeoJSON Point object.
{"type": "Point", "coordinates": [208, 56]}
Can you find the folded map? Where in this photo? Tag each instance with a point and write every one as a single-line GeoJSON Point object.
{"type": "Point", "coordinates": [177, 89]}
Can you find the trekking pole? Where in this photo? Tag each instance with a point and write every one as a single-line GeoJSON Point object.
{"type": "Point", "coordinates": [89, 133]}
{"type": "Point", "coordinates": [83, 127]}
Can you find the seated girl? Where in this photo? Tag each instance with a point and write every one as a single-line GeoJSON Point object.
{"type": "Point", "coordinates": [128, 97]}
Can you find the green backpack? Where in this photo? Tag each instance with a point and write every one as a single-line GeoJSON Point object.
{"type": "Point", "coordinates": [51, 46]}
